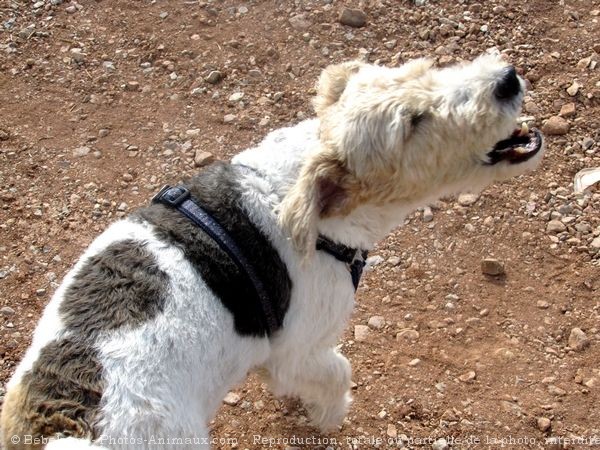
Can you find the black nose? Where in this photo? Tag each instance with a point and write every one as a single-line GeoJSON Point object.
{"type": "Point", "coordinates": [509, 85]}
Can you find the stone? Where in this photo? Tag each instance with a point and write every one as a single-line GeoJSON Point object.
{"type": "Point", "coordinates": [467, 199]}
{"type": "Point", "coordinates": [555, 226]}
{"type": "Point", "coordinates": [132, 86]}
{"type": "Point", "coordinates": [202, 158]}
{"type": "Point", "coordinates": [300, 22]}
{"type": "Point", "coordinates": [414, 362]}
{"type": "Point", "coordinates": [578, 340]}
{"type": "Point", "coordinates": [468, 376]}
{"type": "Point", "coordinates": [355, 18]}
{"type": "Point", "coordinates": [573, 89]}
{"type": "Point", "coordinates": [409, 334]}
{"type": "Point", "coordinates": [214, 77]}
{"type": "Point", "coordinates": [567, 110]}
{"type": "Point", "coordinates": [7, 311]}
{"type": "Point", "coordinates": [440, 444]}
{"type": "Point", "coordinates": [376, 322]}
{"type": "Point", "coordinates": [361, 333]}
{"type": "Point", "coordinates": [81, 151]}
{"type": "Point", "coordinates": [543, 424]}
{"type": "Point", "coordinates": [427, 214]}
{"type": "Point", "coordinates": [394, 260]}
{"type": "Point", "coordinates": [373, 261]}
{"type": "Point", "coordinates": [236, 96]}
{"type": "Point", "coordinates": [555, 390]}
{"type": "Point", "coordinates": [232, 398]}
{"type": "Point", "coordinates": [595, 244]}
{"type": "Point", "coordinates": [556, 126]}
{"type": "Point", "coordinates": [228, 118]}
{"type": "Point", "coordinates": [391, 431]}
{"type": "Point", "coordinates": [492, 266]}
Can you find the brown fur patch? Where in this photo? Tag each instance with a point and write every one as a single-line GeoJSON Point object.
{"type": "Point", "coordinates": [59, 396]}
{"type": "Point", "coordinates": [120, 286]}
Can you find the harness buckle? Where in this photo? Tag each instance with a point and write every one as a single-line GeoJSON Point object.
{"type": "Point", "coordinates": [172, 196]}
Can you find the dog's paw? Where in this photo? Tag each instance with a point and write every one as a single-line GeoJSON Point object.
{"type": "Point", "coordinates": [329, 416]}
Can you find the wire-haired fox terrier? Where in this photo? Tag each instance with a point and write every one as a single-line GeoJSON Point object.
{"type": "Point", "coordinates": [253, 264]}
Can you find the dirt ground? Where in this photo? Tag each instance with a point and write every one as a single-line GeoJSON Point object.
{"type": "Point", "coordinates": [102, 102]}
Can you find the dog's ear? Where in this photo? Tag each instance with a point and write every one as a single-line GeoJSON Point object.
{"type": "Point", "coordinates": [324, 188]}
{"type": "Point", "coordinates": [332, 83]}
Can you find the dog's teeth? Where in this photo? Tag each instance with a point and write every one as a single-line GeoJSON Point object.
{"type": "Point", "coordinates": [524, 129]}
{"type": "Point", "coordinates": [521, 150]}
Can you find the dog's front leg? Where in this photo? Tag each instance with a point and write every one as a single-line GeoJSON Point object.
{"type": "Point", "coordinates": [322, 381]}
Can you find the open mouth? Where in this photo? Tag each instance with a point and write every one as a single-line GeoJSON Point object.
{"type": "Point", "coordinates": [521, 146]}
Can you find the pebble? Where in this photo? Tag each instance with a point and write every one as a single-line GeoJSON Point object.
{"type": "Point", "coordinates": [567, 110]}
{"type": "Point", "coordinates": [7, 311]}
{"type": "Point", "coordinates": [300, 22]}
{"type": "Point", "coordinates": [392, 430]}
{"type": "Point", "coordinates": [72, 9]}
{"type": "Point", "coordinates": [415, 362]}
{"type": "Point", "coordinates": [353, 17]}
{"type": "Point", "coordinates": [202, 158]}
{"type": "Point", "coordinates": [409, 334]}
{"type": "Point", "coordinates": [214, 77]}
{"type": "Point", "coordinates": [595, 244]}
{"type": "Point", "coordinates": [228, 118]}
{"type": "Point", "coordinates": [573, 89]}
{"type": "Point", "coordinates": [81, 151]}
{"type": "Point", "coordinates": [467, 199]}
{"type": "Point", "coordinates": [578, 340]}
{"type": "Point", "coordinates": [376, 322]}
{"type": "Point", "coordinates": [555, 226]}
{"type": "Point", "coordinates": [555, 390]}
{"type": "Point", "coordinates": [394, 260]}
{"type": "Point", "coordinates": [361, 333]}
{"type": "Point", "coordinates": [468, 376]}
{"type": "Point", "coordinates": [236, 96]}
{"type": "Point", "coordinates": [440, 444]}
{"type": "Point", "coordinates": [543, 423]}
{"type": "Point", "coordinates": [232, 398]}
{"type": "Point", "coordinates": [556, 126]}
{"type": "Point", "coordinates": [373, 261]}
{"type": "Point", "coordinates": [427, 214]}
{"type": "Point", "coordinates": [492, 266]}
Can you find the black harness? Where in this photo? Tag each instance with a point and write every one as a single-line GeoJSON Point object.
{"type": "Point", "coordinates": [179, 197]}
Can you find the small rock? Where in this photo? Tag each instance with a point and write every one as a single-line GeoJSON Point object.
{"type": "Point", "coordinates": [467, 199]}
{"type": "Point", "coordinates": [236, 97]}
{"type": "Point", "coordinates": [556, 126]}
{"type": "Point", "coordinates": [543, 304]}
{"type": "Point", "coordinates": [578, 340]}
{"type": "Point", "coordinates": [440, 444]}
{"type": "Point", "coordinates": [409, 334]}
{"type": "Point", "coordinates": [555, 226]}
{"type": "Point", "coordinates": [573, 89]}
{"type": "Point", "coordinates": [232, 398]}
{"type": "Point", "coordinates": [373, 261]}
{"type": "Point", "coordinates": [427, 214]}
{"type": "Point", "coordinates": [555, 390]}
{"type": "Point", "coordinates": [567, 110]}
{"type": "Point", "coordinates": [361, 333]}
{"type": "Point", "coordinates": [300, 22]}
{"type": "Point", "coordinates": [492, 266]}
{"type": "Point", "coordinates": [376, 322]}
{"type": "Point", "coordinates": [353, 17]}
{"type": "Point", "coordinates": [544, 424]}
{"type": "Point", "coordinates": [163, 15]}
{"type": "Point", "coordinates": [7, 311]}
{"type": "Point", "coordinates": [214, 77]}
{"type": "Point", "coordinates": [414, 362]}
{"type": "Point", "coordinates": [132, 86]}
{"type": "Point", "coordinates": [71, 9]}
{"type": "Point", "coordinates": [394, 260]}
{"type": "Point", "coordinates": [81, 151]}
{"type": "Point", "coordinates": [595, 244]}
{"type": "Point", "coordinates": [103, 132]}
{"type": "Point", "coordinates": [202, 158]}
{"type": "Point", "coordinates": [229, 118]}
{"type": "Point", "coordinates": [468, 376]}
{"type": "Point", "coordinates": [391, 431]}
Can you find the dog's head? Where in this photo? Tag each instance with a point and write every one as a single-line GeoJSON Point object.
{"type": "Point", "coordinates": [394, 136]}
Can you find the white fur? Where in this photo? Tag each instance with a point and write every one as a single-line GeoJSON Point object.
{"type": "Point", "coordinates": [167, 377]}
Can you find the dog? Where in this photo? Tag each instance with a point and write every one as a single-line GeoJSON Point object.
{"type": "Point", "coordinates": [161, 316]}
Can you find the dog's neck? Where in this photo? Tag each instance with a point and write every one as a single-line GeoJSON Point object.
{"type": "Point", "coordinates": [279, 157]}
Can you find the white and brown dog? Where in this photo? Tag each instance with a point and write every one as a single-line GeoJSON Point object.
{"type": "Point", "coordinates": [159, 318]}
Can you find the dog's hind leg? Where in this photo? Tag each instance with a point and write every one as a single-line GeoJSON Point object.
{"type": "Point", "coordinates": [322, 381]}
